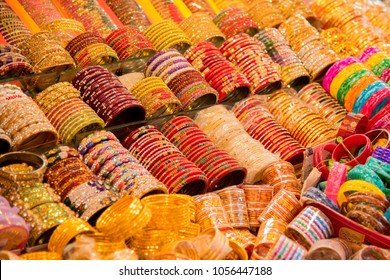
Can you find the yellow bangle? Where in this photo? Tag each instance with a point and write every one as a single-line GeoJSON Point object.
{"type": "Point", "coordinates": [342, 76]}
{"type": "Point", "coordinates": [356, 186]}
{"type": "Point", "coordinates": [65, 232]}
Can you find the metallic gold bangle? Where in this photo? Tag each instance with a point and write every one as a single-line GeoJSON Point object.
{"type": "Point", "coordinates": [65, 232]}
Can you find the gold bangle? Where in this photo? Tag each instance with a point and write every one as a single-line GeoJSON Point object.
{"type": "Point", "coordinates": [65, 232]}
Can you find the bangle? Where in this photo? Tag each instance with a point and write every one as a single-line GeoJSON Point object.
{"type": "Point", "coordinates": [320, 161]}
{"type": "Point", "coordinates": [349, 148]}
{"type": "Point", "coordinates": [65, 232]}
{"type": "Point", "coordinates": [362, 172]}
{"type": "Point", "coordinates": [337, 176]}
{"type": "Point", "coordinates": [353, 123]}
{"type": "Point", "coordinates": [114, 220]}
{"type": "Point", "coordinates": [309, 226]}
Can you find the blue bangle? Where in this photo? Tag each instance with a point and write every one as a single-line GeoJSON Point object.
{"type": "Point", "coordinates": [362, 172]}
{"type": "Point", "coordinates": [366, 94]}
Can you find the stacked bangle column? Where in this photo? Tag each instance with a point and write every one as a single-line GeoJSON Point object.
{"type": "Point", "coordinates": [107, 96]}
{"type": "Point", "coordinates": [221, 169]}
{"type": "Point", "coordinates": [293, 72]}
{"type": "Point", "coordinates": [220, 73]}
{"type": "Point", "coordinates": [226, 131]}
{"type": "Point", "coordinates": [250, 57]}
{"type": "Point", "coordinates": [182, 78]}
{"type": "Point", "coordinates": [262, 126]}
{"type": "Point", "coordinates": [305, 41]}
{"type": "Point", "coordinates": [166, 162]}
{"type": "Point", "coordinates": [307, 127]}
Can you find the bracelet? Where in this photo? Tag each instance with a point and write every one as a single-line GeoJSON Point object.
{"type": "Point", "coordinates": [349, 148]}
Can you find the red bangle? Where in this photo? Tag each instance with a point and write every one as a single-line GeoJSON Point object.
{"type": "Point", "coordinates": [350, 147]}
{"type": "Point", "coordinates": [320, 161]}
{"type": "Point", "coordinates": [352, 124]}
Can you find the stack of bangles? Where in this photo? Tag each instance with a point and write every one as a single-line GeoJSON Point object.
{"type": "Point", "coordinates": [166, 34]}
{"type": "Point", "coordinates": [307, 127]}
{"type": "Point", "coordinates": [330, 249]}
{"type": "Point", "coordinates": [199, 6]}
{"type": "Point", "coordinates": [305, 41]}
{"type": "Point", "coordinates": [200, 28]}
{"type": "Point", "coordinates": [67, 112]}
{"type": "Point", "coordinates": [156, 97]}
{"type": "Point", "coordinates": [66, 232]}
{"type": "Point", "coordinates": [169, 212]}
{"type": "Point", "coordinates": [265, 14]}
{"type": "Point", "coordinates": [165, 162]}
{"type": "Point", "coordinates": [212, 244]}
{"type": "Point", "coordinates": [168, 10]}
{"type": "Point", "coordinates": [220, 168]}
{"type": "Point", "coordinates": [19, 168]}
{"type": "Point", "coordinates": [309, 226]}
{"type": "Point", "coordinates": [129, 13]}
{"type": "Point", "coordinates": [226, 131]}
{"type": "Point", "coordinates": [262, 126]}
{"type": "Point", "coordinates": [233, 20]}
{"type": "Point", "coordinates": [378, 62]}
{"type": "Point", "coordinates": [210, 212]}
{"type": "Point", "coordinates": [293, 72]}
{"type": "Point", "coordinates": [257, 198]}
{"type": "Point", "coordinates": [128, 42]}
{"type": "Point", "coordinates": [75, 183]}
{"type": "Point", "coordinates": [356, 87]}
{"type": "Point", "coordinates": [339, 42]}
{"type": "Point", "coordinates": [124, 218]}
{"type": "Point", "coordinates": [283, 206]}
{"type": "Point", "coordinates": [107, 96]}
{"type": "Point", "coordinates": [268, 233]}
{"type": "Point", "coordinates": [43, 210]}
{"type": "Point", "coordinates": [41, 13]}
{"type": "Point", "coordinates": [23, 120]}
{"type": "Point", "coordinates": [12, 62]}
{"type": "Point", "coordinates": [110, 161]}
{"type": "Point", "coordinates": [91, 15]}
{"type": "Point", "coordinates": [323, 104]}
{"type": "Point", "coordinates": [220, 73]}
{"type": "Point", "coordinates": [182, 78]}
{"type": "Point", "coordinates": [250, 57]}
{"type": "Point", "coordinates": [46, 53]}
{"type": "Point", "coordinates": [281, 175]}
{"type": "Point", "coordinates": [65, 29]}
{"type": "Point", "coordinates": [90, 49]}
{"type": "Point", "coordinates": [233, 200]}
{"type": "Point", "coordinates": [12, 29]}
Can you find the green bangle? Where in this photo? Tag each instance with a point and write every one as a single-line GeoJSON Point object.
{"type": "Point", "coordinates": [362, 172]}
{"type": "Point", "coordinates": [379, 167]}
{"type": "Point", "coordinates": [348, 84]}
{"type": "Point", "coordinates": [381, 66]}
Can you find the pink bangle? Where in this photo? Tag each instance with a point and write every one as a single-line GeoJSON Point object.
{"type": "Point", "coordinates": [337, 176]}
{"type": "Point", "coordinates": [385, 76]}
{"type": "Point", "coordinates": [381, 119]}
{"type": "Point", "coordinates": [370, 108]}
{"type": "Point", "coordinates": [335, 69]}
{"type": "Point", "coordinates": [350, 147]}
{"type": "Point", "coordinates": [367, 53]}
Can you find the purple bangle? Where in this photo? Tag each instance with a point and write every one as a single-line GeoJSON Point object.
{"type": "Point", "coordinates": [367, 53]}
{"type": "Point", "coordinates": [335, 69]}
{"type": "Point", "coordinates": [382, 154]}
